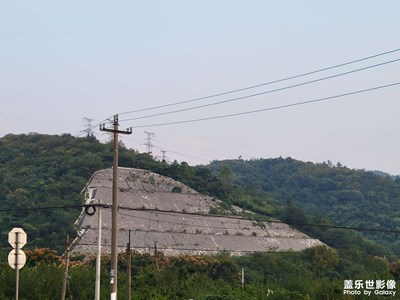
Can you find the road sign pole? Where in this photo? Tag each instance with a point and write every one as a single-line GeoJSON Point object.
{"type": "Point", "coordinates": [16, 266]}
{"type": "Point", "coordinates": [16, 258]}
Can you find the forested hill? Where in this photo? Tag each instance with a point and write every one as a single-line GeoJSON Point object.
{"type": "Point", "coordinates": [39, 170]}
{"type": "Point", "coordinates": [334, 193]}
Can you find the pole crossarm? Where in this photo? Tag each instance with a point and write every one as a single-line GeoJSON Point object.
{"type": "Point", "coordinates": [127, 131]}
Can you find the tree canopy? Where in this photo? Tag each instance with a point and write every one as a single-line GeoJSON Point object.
{"type": "Point", "coordinates": [38, 170]}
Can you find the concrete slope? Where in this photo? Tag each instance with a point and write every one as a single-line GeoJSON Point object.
{"type": "Point", "coordinates": [178, 223]}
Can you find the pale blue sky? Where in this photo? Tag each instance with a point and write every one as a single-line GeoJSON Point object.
{"type": "Point", "coordinates": [61, 62]}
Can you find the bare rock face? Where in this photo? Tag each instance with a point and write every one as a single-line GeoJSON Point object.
{"type": "Point", "coordinates": [164, 214]}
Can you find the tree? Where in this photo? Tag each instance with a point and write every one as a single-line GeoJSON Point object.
{"type": "Point", "coordinates": [322, 258]}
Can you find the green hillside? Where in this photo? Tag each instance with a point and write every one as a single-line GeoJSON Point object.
{"type": "Point", "coordinates": [49, 170]}
{"type": "Point", "coordinates": [46, 171]}
{"type": "Point", "coordinates": [323, 193]}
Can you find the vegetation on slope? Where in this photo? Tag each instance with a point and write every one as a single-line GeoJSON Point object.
{"type": "Point", "coordinates": [42, 170]}
{"type": "Point", "coordinates": [314, 274]}
{"type": "Point", "coordinates": [323, 194]}
{"type": "Point", "coordinates": [45, 171]}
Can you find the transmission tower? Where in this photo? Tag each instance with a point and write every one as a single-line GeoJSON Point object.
{"type": "Point", "coordinates": [148, 143]}
{"type": "Point", "coordinates": [110, 138]}
{"type": "Point", "coordinates": [88, 125]}
{"type": "Point", "coordinates": [164, 157]}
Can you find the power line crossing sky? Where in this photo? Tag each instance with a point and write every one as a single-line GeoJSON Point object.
{"type": "Point", "coordinates": [61, 62]}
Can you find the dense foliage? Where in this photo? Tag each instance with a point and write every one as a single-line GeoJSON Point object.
{"type": "Point", "coordinates": [42, 170]}
{"type": "Point", "coordinates": [323, 194]}
{"type": "Point", "coordinates": [315, 274]}
{"type": "Point", "coordinates": [46, 171]}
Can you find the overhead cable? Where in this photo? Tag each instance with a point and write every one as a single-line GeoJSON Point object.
{"type": "Point", "coordinates": [169, 212]}
{"type": "Point", "coordinates": [262, 84]}
{"type": "Point", "coordinates": [260, 93]}
{"type": "Point", "coordinates": [255, 219]}
{"type": "Point", "coordinates": [269, 108]}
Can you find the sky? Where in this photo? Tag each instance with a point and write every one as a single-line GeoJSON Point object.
{"type": "Point", "coordinates": [63, 61]}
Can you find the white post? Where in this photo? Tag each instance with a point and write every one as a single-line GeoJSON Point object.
{"type": "Point", "coordinates": [17, 266]}
{"type": "Point", "coordinates": [242, 277]}
{"type": "Point", "coordinates": [98, 258]}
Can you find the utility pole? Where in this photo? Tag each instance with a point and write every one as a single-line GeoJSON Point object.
{"type": "Point", "coordinates": [114, 213]}
{"type": "Point", "coordinates": [65, 278]}
{"type": "Point", "coordinates": [129, 267]}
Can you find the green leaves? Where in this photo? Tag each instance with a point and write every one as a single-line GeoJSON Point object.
{"type": "Point", "coordinates": [345, 197]}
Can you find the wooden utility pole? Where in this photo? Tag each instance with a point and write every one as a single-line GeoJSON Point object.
{"type": "Point", "coordinates": [129, 267]}
{"type": "Point", "coordinates": [114, 213]}
{"type": "Point", "coordinates": [65, 278]}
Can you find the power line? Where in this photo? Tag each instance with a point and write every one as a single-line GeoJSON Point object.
{"type": "Point", "coordinates": [150, 247]}
{"type": "Point", "coordinates": [16, 209]}
{"type": "Point", "coordinates": [168, 212]}
{"type": "Point", "coordinates": [65, 142]}
{"type": "Point", "coordinates": [269, 108]}
{"type": "Point", "coordinates": [261, 93]}
{"type": "Point", "coordinates": [262, 220]}
{"type": "Point", "coordinates": [179, 153]}
{"type": "Point", "coordinates": [204, 158]}
{"type": "Point", "coordinates": [262, 84]}
{"type": "Point", "coordinates": [179, 223]}
{"type": "Point", "coordinates": [351, 250]}
{"type": "Point", "coordinates": [210, 226]}
{"type": "Point", "coordinates": [89, 128]}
